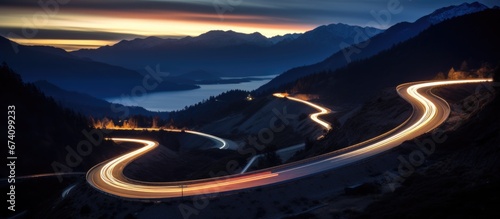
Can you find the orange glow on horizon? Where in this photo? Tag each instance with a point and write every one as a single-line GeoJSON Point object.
{"type": "Point", "coordinates": [66, 44]}
{"type": "Point", "coordinates": [147, 23]}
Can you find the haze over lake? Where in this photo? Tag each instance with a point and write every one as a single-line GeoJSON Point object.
{"type": "Point", "coordinates": [177, 100]}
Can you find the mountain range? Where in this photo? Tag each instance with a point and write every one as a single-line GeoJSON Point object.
{"type": "Point", "coordinates": [395, 34]}
{"type": "Point", "coordinates": [228, 53]}
{"type": "Point", "coordinates": [464, 42]}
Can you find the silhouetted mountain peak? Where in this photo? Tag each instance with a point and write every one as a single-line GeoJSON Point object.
{"type": "Point", "coordinates": [230, 38]}
{"type": "Point", "coordinates": [7, 47]}
{"type": "Point", "coordinates": [51, 50]}
{"type": "Point", "coordinates": [4, 40]}
{"type": "Point", "coordinates": [338, 30]}
{"type": "Point", "coordinates": [454, 11]}
{"type": "Point", "coordinates": [284, 38]}
{"type": "Point", "coordinates": [140, 43]}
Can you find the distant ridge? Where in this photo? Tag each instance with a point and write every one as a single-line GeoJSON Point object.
{"type": "Point", "coordinates": [228, 52]}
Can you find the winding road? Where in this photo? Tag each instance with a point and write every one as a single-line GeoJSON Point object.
{"type": "Point", "coordinates": [429, 111]}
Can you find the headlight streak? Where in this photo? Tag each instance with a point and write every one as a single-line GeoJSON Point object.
{"type": "Point", "coordinates": [314, 116]}
{"type": "Point", "coordinates": [216, 139]}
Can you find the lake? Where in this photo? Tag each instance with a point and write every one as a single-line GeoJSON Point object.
{"type": "Point", "coordinates": [177, 100]}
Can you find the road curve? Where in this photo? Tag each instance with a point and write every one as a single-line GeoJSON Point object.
{"type": "Point", "coordinates": [221, 143]}
{"type": "Point", "coordinates": [429, 111]}
{"type": "Point", "coordinates": [314, 116]}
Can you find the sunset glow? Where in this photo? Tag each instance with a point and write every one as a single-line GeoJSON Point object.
{"type": "Point", "coordinates": [66, 44]}
{"type": "Point", "coordinates": [157, 23]}
{"type": "Point", "coordinates": [74, 24]}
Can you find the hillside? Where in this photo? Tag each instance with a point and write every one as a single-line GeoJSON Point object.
{"type": "Point", "coordinates": [45, 131]}
{"type": "Point", "coordinates": [462, 177]}
{"type": "Point", "coordinates": [217, 107]}
{"type": "Point", "coordinates": [91, 106]}
{"type": "Point", "coordinates": [69, 72]}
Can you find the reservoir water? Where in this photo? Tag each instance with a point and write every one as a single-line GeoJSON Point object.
{"type": "Point", "coordinates": [177, 100]}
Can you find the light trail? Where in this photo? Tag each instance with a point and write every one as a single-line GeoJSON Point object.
{"type": "Point", "coordinates": [314, 116]}
{"type": "Point", "coordinates": [223, 143]}
{"type": "Point", "coordinates": [429, 111]}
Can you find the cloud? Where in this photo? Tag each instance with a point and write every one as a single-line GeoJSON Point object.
{"type": "Point", "coordinates": [124, 19]}
{"type": "Point", "coordinates": [73, 34]}
{"type": "Point", "coordinates": [315, 12]}
{"type": "Point", "coordinates": [293, 11]}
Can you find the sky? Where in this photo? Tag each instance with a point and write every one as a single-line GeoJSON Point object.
{"type": "Point", "coordinates": [76, 24]}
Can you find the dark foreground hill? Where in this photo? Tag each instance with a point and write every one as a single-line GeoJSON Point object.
{"type": "Point", "coordinates": [48, 137]}
{"type": "Point", "coordinates": [461, 179]}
